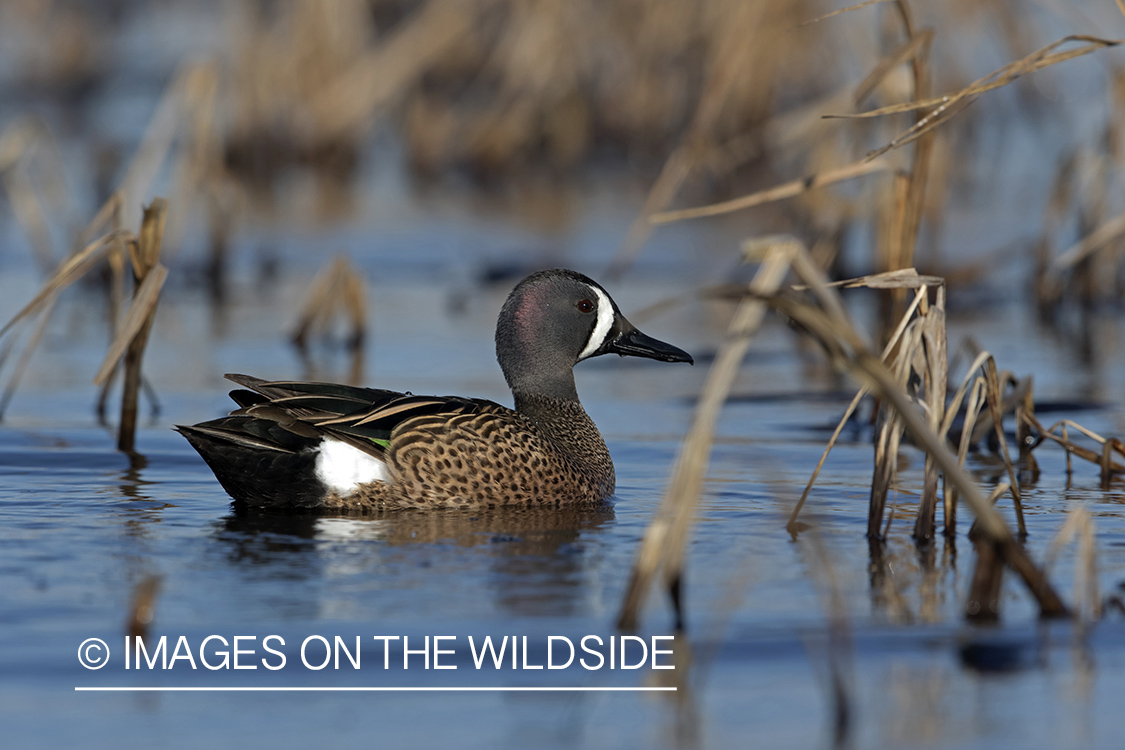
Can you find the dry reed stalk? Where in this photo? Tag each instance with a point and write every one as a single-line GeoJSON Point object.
{"type": "Point", "coordinates": [976, 399]}
{"type": "Point", "coordinates": [933, 340]}
{"type": "Point", "coordinates": [914, 47]}
{"type": "Point", "coordinates": [109, 214]}
{"type": "Point", "coordinates": [148, 275]}
{"type": "Point", "coordinates": [197, 167]}
{"type": "Point", "coordinates": [699, 158]}
{"type": "Point", "coordinates": [1069, 466]}
{"type": "Point", "coordinates": [849, 9]}
{"type": "Point", "coordinates": [385, 73]}
{"type": "Point", "coordinates": [906, 230]}
{"type": "Point", "coordinates": [663, 544]}
{"type": "Point", "coordinates": [43, 303]}
{"type": "Point", "coordinates": [663, 191]}
{"type": "Point", "coordinates": [1083, 249]}
{"type": "Point", "coordinates": [1072, 448]}
{"type": "Point", "coordinates": [864, 365]}
{"type": "Point", "coordinates": [1024, 437]}
{"type": "Point", "coordinates": [1106, 463]}
{"type": "Point", "coordinates": [1080, 524]}
{"type": "Point", "coordinates": [943, 108]}
{"type": "Point", "coordinates": [72, 269]}
{"type": "Point", "coordinates": [784, 190]}
{"type": "Point", "coordinates": [25, 144]}
{"type": "Point", "coordinates": [889, 437]}
{"type": "Point", "coordinates": [154, 147]}
{"type": "Point", "coordinates": [116, 260]}
{"type": "Point", "coordinates": [25, 356]}
{"type": "Point", "coordinates": [337, 288]}
{"type": "Point", "coordinates": [731, 61]}
{"type": "Point", "coordinates": [138, 316]}
{"type": "Point", "coordinates": [1008, 403]}
{"type": "Point", "coordinates": [994, 405]}
{"type": "Point", "coordinates": [29, 215]}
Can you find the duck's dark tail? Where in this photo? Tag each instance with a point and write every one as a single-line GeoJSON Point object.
{"type": "Point", "coordinates": [258, 462]}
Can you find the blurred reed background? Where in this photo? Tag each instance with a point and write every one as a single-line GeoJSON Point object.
{"type": "Point", "coordinates": [694, 102]}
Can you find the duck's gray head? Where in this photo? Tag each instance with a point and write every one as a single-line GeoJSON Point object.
{"type": "Point", "coordinates": [555, 319]}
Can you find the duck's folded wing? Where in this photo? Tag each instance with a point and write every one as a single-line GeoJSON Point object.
{"type": "Point", "coordinates": [363, 417]}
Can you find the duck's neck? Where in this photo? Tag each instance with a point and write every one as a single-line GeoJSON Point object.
{"type": "Point", "coordinates": [568, 426]}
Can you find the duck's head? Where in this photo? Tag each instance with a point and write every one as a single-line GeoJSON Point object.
{"type": "Point", "coordinates": [555, 319]}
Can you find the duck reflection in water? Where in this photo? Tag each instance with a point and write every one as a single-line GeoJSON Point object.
{"type": "Point", "coordinates": [534, 559]}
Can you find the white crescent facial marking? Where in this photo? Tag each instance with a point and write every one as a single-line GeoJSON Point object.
{"type": "Point", "coordinates": [601, 328]}
{"type": "Point", "coordinates": [343, 467]}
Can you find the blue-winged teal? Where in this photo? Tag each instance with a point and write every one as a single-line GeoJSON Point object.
{"type": "Point", "coordinates": [337, 447]}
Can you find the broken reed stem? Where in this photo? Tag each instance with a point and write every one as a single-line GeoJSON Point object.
{"type": "Point", "coordinates": [849, 353]}
{"type": "Point", "coordinates": [994, 402]}
{"type": "Point", "coordinates": [901, 278]}
{"type": "Point", "coordinates": [935, 359]}
{"type": "Point", "coordinates": [972, 409]}
{"type": "Point", "coordinates": [664, 539]}
{"type": "Point", "coordinates": [791, 526]}
{"type": "Point", "coordinates": [149, 277]}
{"type": "Point", "coordinates": [991, 522]}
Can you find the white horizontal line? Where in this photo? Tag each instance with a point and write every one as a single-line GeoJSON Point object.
{"type": "Point", "coordinates": [380, 689]}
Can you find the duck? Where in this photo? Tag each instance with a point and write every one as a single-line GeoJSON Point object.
{"type": "Point", "coordinates": [310, 446]}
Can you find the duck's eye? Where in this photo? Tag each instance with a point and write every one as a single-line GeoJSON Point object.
{"type": "Point", "coordinates": [586, 306]}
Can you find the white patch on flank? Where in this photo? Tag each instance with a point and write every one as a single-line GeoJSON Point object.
{"type": "Point", "coordinates": [601, 328]}
{"type": "Point", "coordinates": [343, 467]}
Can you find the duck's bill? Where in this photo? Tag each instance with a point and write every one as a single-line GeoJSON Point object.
{"type": "Point", "coordinates": [633, 343]}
